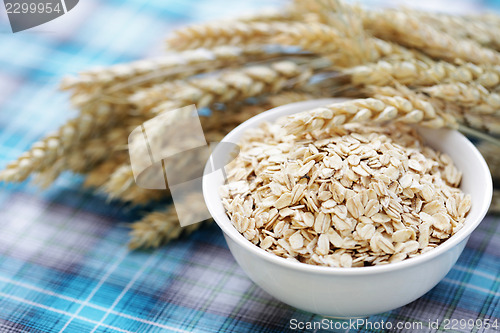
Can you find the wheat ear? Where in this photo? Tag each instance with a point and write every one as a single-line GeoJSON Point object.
{"type": "Point", "coordinates": [158, 228]}
{"type": "Point", "coordinates": [462, 27]}
{"type": "Point", "coordinates": [81, 157]}
{"type": "Point", "coordinates": [380, 109]}
{"type": "Point", "coordinates": [471, 120]}
{"type": "Point", "coordinates": [227, 86]}
{"type": "Point", "coordinates": [473, 96]}
{"type": "Point", "coordinates": [99, 175]}
{"type": "Point", "coordinates": [313, 37]}
{"type": "Point", "coordinates": [422, 73]}
{"type": "Point", "coordinates": [402, 28]}
{"type": "Point", "coordinates": [120, 185]}
{"type": "Point", "coordinates": [46, 151]}
{"type": "Point", "coordinates": [175, 65]}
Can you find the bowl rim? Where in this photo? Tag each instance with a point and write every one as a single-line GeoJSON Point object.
{"type": "Point", "coordinates": [211, 196]}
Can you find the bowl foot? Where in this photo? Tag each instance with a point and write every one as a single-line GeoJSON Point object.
{"type": "Point", "coordinates": [345, 318]}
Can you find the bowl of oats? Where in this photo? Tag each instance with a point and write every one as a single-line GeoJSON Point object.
{"type": "Point", "coordinates": [345, 217]}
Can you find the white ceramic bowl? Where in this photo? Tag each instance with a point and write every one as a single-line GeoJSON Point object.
{"type": "Point", "coordinates": [363, 291]}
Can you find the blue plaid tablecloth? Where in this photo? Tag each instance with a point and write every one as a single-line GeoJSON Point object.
{"type": "Point", "coordinates": [64, 263]}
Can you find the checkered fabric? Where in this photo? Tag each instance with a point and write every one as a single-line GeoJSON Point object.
{"type": "Point", "coordinates": [64, 264]}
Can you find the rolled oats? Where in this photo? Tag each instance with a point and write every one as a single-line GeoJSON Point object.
{"type": "Point", "coordinates": [352, 196]}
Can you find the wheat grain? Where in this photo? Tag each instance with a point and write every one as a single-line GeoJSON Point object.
{"type": "Point", "coordinates": [47, 151]}
{"type": "Point", "coordinates": [436, 116]}
{"type": "Point", "coordinates": [190, 37]}
{"type": "Point", "coordinates": [120, 185]}
{"type": "Point", "coordinates": [102, 95]}
{"type": "Point", "coordinates": [490, 18]}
